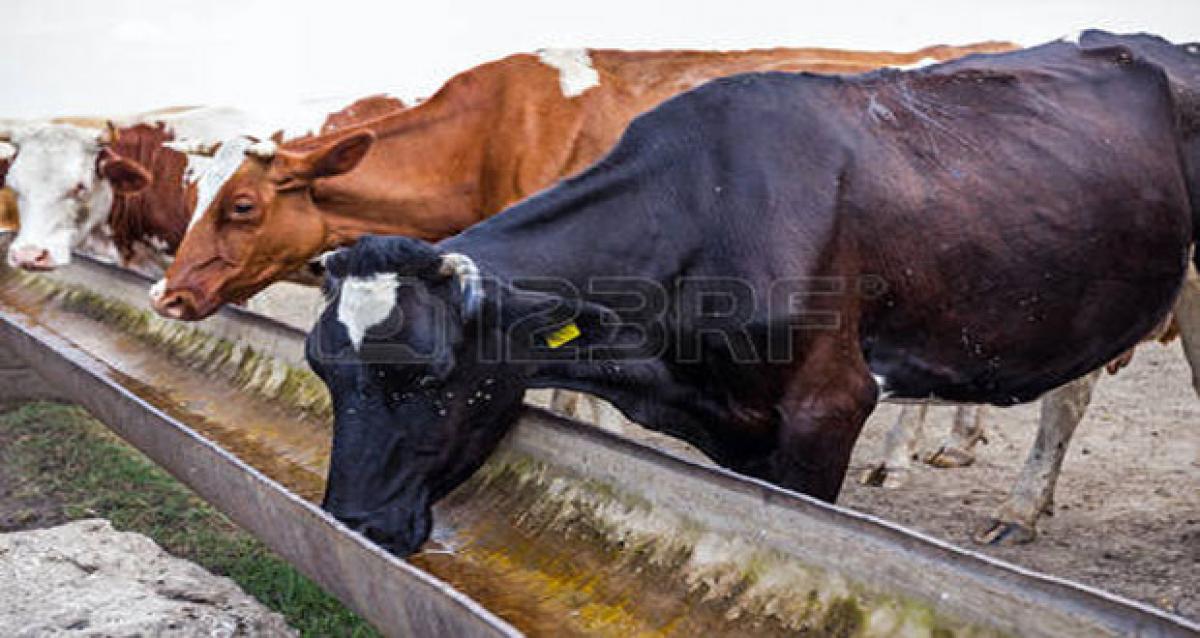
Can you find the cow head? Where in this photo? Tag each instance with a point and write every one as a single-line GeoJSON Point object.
{"type": "Point", "coordinates": [254, 221]}
{"type": "Point", "coordinates": [424, 362]}
{"type": "Point", "coordinates": [64, 178]}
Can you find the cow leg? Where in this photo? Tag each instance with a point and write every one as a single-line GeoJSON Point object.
{"type": "Point", "coordinates": [899, 449]}
{"type": "Point", "coordinates": [819, 423]}
{"type": "Point", "coordinates": [1187, 317]}
{"type": "Point", "coordinates": [1015, 521]}
{"type": "Point", "coordinates": [564, 402]}
{"type": "Point", "coordinates": [958, 448]}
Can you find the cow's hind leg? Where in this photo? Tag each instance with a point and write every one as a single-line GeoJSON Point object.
{"type": "Point", "coordinates": [1187, 317]}
{"type": "Point", "coordinates": [899, 449]}
{"type": "Point", "coordinates": [1015, 521]}
{"type": "Point", "coordinates": [958, 448]}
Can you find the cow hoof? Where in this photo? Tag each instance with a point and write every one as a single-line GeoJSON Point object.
{"type": "Point", "coordinates": [947, 457]}
{"type": "Point", "coordinates": [880, 475]}
{"type": "Point", "coordinates": [1006, 533]}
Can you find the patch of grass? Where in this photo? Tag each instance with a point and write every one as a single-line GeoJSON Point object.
{"type": "Point", "coordinates": [62, 453]}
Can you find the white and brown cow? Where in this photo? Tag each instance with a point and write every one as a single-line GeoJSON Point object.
{"type": "Point", "coordinates": [131, 187]}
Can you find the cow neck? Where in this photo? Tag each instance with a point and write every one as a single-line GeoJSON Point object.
{"type": "Point", "coordinates": [579, 229]}
{"type": "Point", "coordinates": [611, 222]}
{"type": "Point", "coordinates": [401, 189]}
{"type": "Point", "coordinates": [159, 212]}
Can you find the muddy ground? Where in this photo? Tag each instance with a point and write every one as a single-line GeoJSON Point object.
{"type": "Point", "coordinates": [1127, 512]}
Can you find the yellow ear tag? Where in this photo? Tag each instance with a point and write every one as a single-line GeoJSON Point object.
{"type": "Point", "coordinates": [563, 335]}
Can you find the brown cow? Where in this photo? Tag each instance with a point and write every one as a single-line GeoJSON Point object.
{"type": "Point", "coordinates": [490, 137]}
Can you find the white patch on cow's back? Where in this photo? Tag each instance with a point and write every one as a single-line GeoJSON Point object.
{"type": "Point", "coordinates": [919, 64]}
{"type": "Point", "coordinates": [209, 124]}
{"type": "Point", "coordinates": [263, 150]}
{"type": "Point", "coordinates": [223, 165]}
{"type": "Point", "coordinates": [366, 302]}
{"type": "Point", "coordinates": [575, 71]}
{"type": "Point", "coordinates": [1072, 38]}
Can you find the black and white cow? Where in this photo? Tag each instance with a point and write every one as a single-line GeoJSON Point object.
{"type": "Point", "coordinates": [760, 259]}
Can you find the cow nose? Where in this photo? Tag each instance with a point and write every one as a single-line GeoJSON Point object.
{"type": "Point", "coordinates": [175, 304]}
{"type": "Point", "coordinates": [31, 258]}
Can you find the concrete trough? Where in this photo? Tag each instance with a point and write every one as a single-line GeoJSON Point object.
{"type": "Point", "coordinates": [567, 530]}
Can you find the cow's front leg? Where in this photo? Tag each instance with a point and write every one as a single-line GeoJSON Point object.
{"type": "Point", "coordinates": [899, 449]}
{"type": "Point", "coordinates": [821, 415]}
{"type": "Point", "coordinates": [1015, 521]}
{"type": "Point", "coordinates": [958, 448]}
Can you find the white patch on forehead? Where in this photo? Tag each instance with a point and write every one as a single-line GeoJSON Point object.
{"type": "Point", "coordinates": [575, 71]}
{"type": "Point", "coordinates": [223, 165]}
{"type": "Point", "coordinates": [7, 151]}
{"type": "Point", "coordinates": [366, 302]}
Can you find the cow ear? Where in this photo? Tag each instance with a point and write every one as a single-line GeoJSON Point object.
{"type": "Point", "coordinates": [552, 325]}
{"type": "Point", "coordinates": [335, 158]}
{"type": "Point", "coordinates": [341, 156]}
{"type": "Point", "coordinates": [126, 176]}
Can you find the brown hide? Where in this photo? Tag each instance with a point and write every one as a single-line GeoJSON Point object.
{"type": "Point", "coordinates": [9, 222]}
{"type": "Point", "coordinates": [367, 108]}
{"type": "Point", "coordinates": [161, 210]}
{"type": "Point", "coordinates": [490, 137]}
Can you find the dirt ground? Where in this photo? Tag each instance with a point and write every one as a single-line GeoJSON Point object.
{"type": "Point", "coordinates": [1127, 510]}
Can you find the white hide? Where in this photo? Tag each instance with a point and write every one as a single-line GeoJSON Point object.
{"type": "Point", "coordinates": [575, 71]}
{"type": "Point", "coordinates": [60, 198]}
{"type": "Point", "coordinates": [366, 302]}
{"type": "Point", "coordinates": [223, 165]}
{"type": "Point", "coordinates": [1072, 38]}
{"type": "Point", "coordinates": [919, 64]}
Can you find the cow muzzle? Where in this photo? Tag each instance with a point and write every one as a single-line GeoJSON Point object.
{"type": "Point", "coordinates": [399, 532]}
{"type": "Point", "coordinates": [180, 305]}
{"type": "Point", "coordinates": [31, 258]}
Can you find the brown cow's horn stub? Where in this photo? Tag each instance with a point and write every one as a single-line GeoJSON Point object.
{"type": "Point", "coordinates": [108, 135]}
{"type": "Point", "coordinates": [463, 269]}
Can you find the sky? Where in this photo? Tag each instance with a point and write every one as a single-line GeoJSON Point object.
{"type": "Point", "coordinates": [82, 57]}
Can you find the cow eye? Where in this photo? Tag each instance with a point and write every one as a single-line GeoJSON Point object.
{"type": "Point", "coordinates": [243, 206]}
